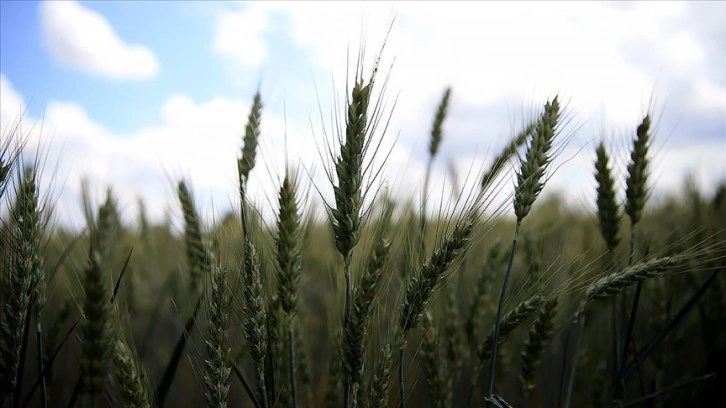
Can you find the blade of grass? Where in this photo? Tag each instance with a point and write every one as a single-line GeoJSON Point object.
{"type": "Point", "coordinates": [246, 385]}
{"type": "Point", "coordinates": [669, 389]}
{"type": "Point", "coordinates": [120, 276]}
{"type": "Point", "coordinates": [47, 368]}
{"type": "Point", "coordinates": [163, 389]}
{"type": "Point", "coordinates": [648, 348]}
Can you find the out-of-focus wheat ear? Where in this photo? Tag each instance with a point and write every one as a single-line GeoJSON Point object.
{"type": "Point", "coordinates": [254, 319]}
{"type": "Point", "coordinates": [97, 330]}
{"type": "Point", "coordinates": [532, 261]}
{"type": "Point", "coordinates": [509, 150]}
{"type": "Point", "coordinates": [437, 128]}
{"type": "Point", "coordinates": [129, 377]}
{"type": "Point", "coordinates": [198, 253]}
{"type": "Point", "coordinates": [437, 131]}
{"type": "Point", "coordinates": [144, 230]}
{"type": "Point", "coordinates": [108, 226]}
{"type": "Point", "coordinates": [435, 367]}
{"type": "Point", "coordinates": [218, 368]}
{"type": "Point", "coordinates": [598, 379]}
{"type": "Point", "coordinates": [539, 335]}
{"type": "Point", "coordinates": [638, 168]}
{"type": "Point", "coordinates": [454, 342]}
{"type": "Point", "coordinates": [302, 357]}
{"type": "Point", "coordinates": [480, 301]}
{"type": "Point", "coordinates": [246, 162]}
{"type": "Point", "coordinates": [536, 160]}
{"type": "Point", "coordinates": [422, 286]}
{"type": "Point", "coordinates": [275, 364]}
{"type": "Point", "coordinates": [381, 379]}
{"type": "Point", "coordinates": [356, 326]}
{"type": "Point", "coordinates": [608, 213]}
{"type": "Point", "coordinates": [334, 381]}
{"type": "Point", "coordinates": [11, 147]}
{"type": "Point", "coordinates": [509, 322]}
{"type": "Point", "coordinates": [616, 282]}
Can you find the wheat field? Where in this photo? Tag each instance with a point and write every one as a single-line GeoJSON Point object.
{"type": "Point", "coordinates": [376, 304]}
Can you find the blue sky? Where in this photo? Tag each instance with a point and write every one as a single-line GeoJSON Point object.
{"type": "Point", "coordinates": [138, 94]}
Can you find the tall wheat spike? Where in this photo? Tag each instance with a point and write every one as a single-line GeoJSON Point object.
{"type": "Point", "coordinates": [289, 260]}
{"type": "Point", "coordinates": [97, 332]}
{"type": "Point", "coordinates": [530, 181]}
{"type": "Point", "coordinates": [24, 282]}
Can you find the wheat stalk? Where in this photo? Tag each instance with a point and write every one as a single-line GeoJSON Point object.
{"type": "Point", "coordinates": [529, 184]}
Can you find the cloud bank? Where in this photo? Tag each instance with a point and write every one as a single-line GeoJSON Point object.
{"type": "Point", "coordinates": [612, 62]}
{"type": "Point", "coordinates": [83, 39]}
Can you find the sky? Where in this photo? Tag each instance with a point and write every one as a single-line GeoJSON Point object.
{"type": "Point", "coordinates": [137, 95]}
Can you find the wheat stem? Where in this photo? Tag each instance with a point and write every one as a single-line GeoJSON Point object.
{"type": "Point", "coordinates": [500, 306]}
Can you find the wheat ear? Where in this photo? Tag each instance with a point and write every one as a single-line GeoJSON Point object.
{"type": "Point", "coordinates": [198, 253]}
{"type": "Point", "coordinates": [97, 330]}
{"type": "Point", "coordinates": [607, 208]}
{"type": "Point", "coordinates": [439, 383]}
{"type": "Point", "coordinates": [25, 280]}
{"type": "Point", "coordinates": [381, 379]}
{"type": "Point", "coordinates": [539, 335]}
{"type": "Point", "coordinates": [217, 365]}
{"type": "Point", "coordinates": [289, 260]}
{"type": "Point", "coordinates": [129, 377]}
{"type": "Point", "coordinates": [254, 314]}
{"type": "Point", "coordinates": [246, 162]}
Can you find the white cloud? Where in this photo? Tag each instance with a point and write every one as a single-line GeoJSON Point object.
{"type": "Point", "coordinates": [607, 61]}
{"type": "Point", "coordinates": [239, 35]}
{"type": "Point", "coordinates": [493, 52]}
{"type": "Point", "coordinates": [83, 39]}
{"type": "Point", "coordinates": [195, 140]}
{"type": "Point", "coordinates": [499, 58]}
{"type": "Point", "coordinates": [12, 105]}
